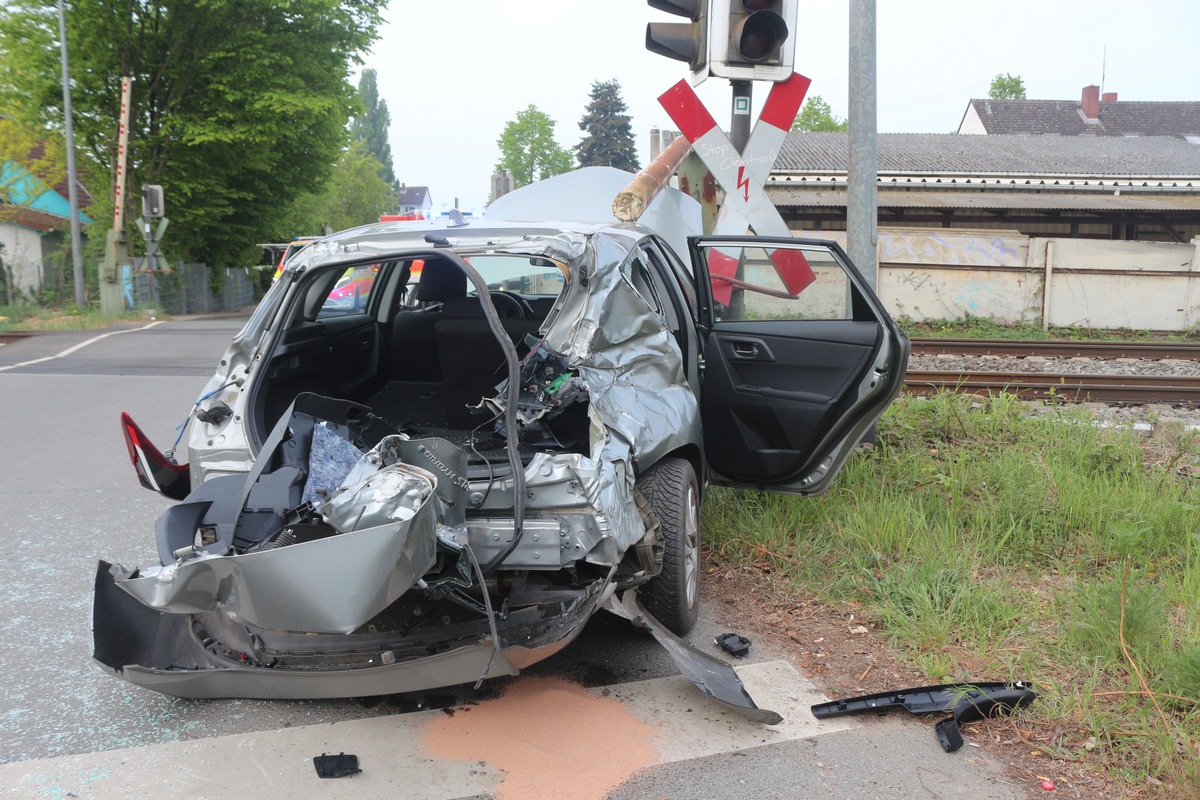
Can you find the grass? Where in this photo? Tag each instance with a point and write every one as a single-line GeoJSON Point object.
{"type": "Point", "coordinates": [30, 317]}
{"type": "Point", "coordinates": [972, 327]}
{"type": "Point", "coordinates": [990, 544]}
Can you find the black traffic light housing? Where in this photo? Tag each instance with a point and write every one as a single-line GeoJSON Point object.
{"type": "Point", "coordinates": [752, 39]}
{"type": "Point", "coordinates": [682, 41]}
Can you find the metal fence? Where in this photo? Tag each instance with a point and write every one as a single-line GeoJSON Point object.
{"type": "Point", "coordinates": [192, 289]}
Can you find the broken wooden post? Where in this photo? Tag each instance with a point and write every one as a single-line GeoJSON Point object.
{"type": "Point", "coordinates": [632, 201]}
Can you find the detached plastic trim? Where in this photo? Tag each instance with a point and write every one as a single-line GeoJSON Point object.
{"type": "Point", "coordinates": [967, 702]}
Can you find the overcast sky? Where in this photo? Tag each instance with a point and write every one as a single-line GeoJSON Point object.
{"type": "Point", "coordinates": [453, 74]}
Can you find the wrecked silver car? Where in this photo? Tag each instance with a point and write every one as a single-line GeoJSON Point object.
{"type": "Point", "coordinates": [509, 427]}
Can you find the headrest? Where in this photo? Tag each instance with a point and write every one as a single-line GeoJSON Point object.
{"type": "Point", "coordinates": [441, 280]}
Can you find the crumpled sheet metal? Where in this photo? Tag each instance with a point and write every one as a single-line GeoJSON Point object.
{"type": "Point", "coordinates": [374, 495]}
{"type": "Point", "coordinates": [636, 380]}
{"type": "Point", "coordinates": [712, 676]}
{"type": "Point", "coordinates": [330, 585]}
{"type": "Point", "coordinates": [631, 363]}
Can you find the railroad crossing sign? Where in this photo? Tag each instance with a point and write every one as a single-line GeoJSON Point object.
{"type": "Point", "coordinates": [742, 176]}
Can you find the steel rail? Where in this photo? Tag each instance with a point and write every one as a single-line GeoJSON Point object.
{"type": "Point", "coordinates": [1017, 348]}
{"type": "Point", "coordinates": [1134, 389]}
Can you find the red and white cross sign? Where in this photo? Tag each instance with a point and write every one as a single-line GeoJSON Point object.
{"type": "Point", "coordinates": [742, 176]}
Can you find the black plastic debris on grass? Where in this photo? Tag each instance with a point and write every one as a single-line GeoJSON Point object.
{"type": "Point", "coordinates": [337, 766]}
{"type": "Point", "coordinates": [733, 644]}
{"type": "Point", "coordinates": [967, 702]}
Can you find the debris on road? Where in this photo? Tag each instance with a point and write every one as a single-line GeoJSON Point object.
{"type": "Point", "coordinates": [967, 702]}
{"type": "Point", "coordinates": [733, 644]}
{"type": "Point", "coordinates": [336, 766]}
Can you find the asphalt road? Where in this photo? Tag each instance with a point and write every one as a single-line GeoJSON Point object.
{"type": "Point", "coordinates": [70, 497]}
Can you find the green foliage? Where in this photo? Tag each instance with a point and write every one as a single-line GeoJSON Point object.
{"type": "Point", "coordinates": [817, 116]}
{"type": "Point", "coordinates": [32, 161]}
{"type": "Point", "coordinates": [237, 107]}
{"type": "Point", "coordinates": [31, 317]}
{"type": "Point", "coordinates": [989, 537]}
{"type": "Point", "coordinates": [608, 139]}
{"type": "Point", "coordinates": [1007, 87]}
{"type": "Point", "coordinates": [1099, 615]}
{"type": "Point", "coordinates": [529, 150]}
{"type": "Point", "coordinates": [975, 327]}
{"type": "Point", "coordinates": [371, 126]}
{"type": "Point", "coordinates": [355, 194]}
{"type": "Point", "coordinates": [30, 73]}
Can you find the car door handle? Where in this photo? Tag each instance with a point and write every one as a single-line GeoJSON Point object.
{"type": "Point", "coordinates": [750, 350]}
{"type": "Point", "coordinates": [745, 349]}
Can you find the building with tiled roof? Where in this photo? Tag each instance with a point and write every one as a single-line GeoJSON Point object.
{"type": "Point", "coordinates": [1093, 115]}
{"type": "Point", "coordinates": [33, 219]}
{"type": "Point", "coordinates": [1145, 188]}
{"type": "Point", "coordinates": [414, 200]}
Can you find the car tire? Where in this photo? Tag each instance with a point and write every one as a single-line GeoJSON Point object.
{"type": "Point", "coordinates": [673, 596]}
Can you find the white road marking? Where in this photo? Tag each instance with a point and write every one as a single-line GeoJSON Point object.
{"type": "Point", "coordinates": [391, 755]}
{"type": "Point", "coordinates": [79, 346]}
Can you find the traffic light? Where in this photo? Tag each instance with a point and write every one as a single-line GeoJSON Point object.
{"type": "Point", "coordinates": [152, 201]}
{"type": "Point", "coordinates": [682, 41]}
{"type": "Point", "coordinates": [752, 39]}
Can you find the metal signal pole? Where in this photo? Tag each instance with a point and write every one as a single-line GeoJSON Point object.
{"type": "Point", "coordinates": [861, 215]}
{"type": "Point", "coordinates": [72, 187]}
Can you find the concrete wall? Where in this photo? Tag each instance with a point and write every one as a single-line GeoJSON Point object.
{"type": "Point", "coordinates": [22, 256]}
{"type": "Point", "coordinates": [1001, 275]}
{"type": "Point", "coordinates": [1111, 284]}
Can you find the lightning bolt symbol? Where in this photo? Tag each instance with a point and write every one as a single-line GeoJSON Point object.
{"type": "Point", "coordinates": [743, 183]}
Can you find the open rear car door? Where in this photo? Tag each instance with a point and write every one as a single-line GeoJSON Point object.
{"type": "Point", "coordinates": [800, 360]}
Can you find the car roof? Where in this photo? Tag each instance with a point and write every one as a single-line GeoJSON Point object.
{"type": "Point", "coordinates": [553, 216]}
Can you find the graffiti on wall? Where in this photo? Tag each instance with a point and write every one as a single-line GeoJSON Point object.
{"type": "Point", "coordinates": [933, 248]}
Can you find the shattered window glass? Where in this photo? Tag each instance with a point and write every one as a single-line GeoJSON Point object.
{"type": "Point", "coordinates": [683, 278]}
{"type": "Point", "coordinates": [639, 276]}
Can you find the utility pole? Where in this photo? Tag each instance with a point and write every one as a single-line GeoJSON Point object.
{"type": "Point", "coordinates": [862, 217]}
{"type": "Point", "coordinates": [72, 181]}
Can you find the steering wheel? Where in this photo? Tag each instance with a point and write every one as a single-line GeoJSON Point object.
{"type": "Point", "coordinates": [518, 306]}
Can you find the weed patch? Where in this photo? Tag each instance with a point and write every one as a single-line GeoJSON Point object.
{"type": "Point", "coordinates": [990, 543]}
{"type": "Point", "coordinates": [29, 317]}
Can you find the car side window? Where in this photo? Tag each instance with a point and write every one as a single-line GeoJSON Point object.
{"type": "Point", "coordinates": [350, 293]}
{"type": "Point", "coordinates": [671, 270]}
{"type": "Point", "coordinates": [766, 283]}
{"type": "Point", "coordinates": [639, 275]}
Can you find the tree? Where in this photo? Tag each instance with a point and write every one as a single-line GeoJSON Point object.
{"type": "Point", "coordinates": [817, 117]}
{"type": "Point", "coordinates": [528, 149]}
{"type": "Point", "coordinates": [1007, 87]}
{"type": "Point", "coordinates": [237, 108]}
{"type": "Point", "coordinates": [371, 126]}
{"type": "Point", "coordinates": [32, 162]}
{"type": "Point", "coordinates": [354, 195]}
{"type": "Point", "coordinates": [609, 135]}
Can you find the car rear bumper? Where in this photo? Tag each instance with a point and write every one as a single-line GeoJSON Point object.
{"type": "Point", "coordinates": [172, 654]}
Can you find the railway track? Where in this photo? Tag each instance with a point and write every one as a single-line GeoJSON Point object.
{"type": "Point", "coordinates": [1016, 348]}
{"type": "Point", "coordinates": [1131, 389]}
{"type": "Point", "coordinates": [1063, 387]}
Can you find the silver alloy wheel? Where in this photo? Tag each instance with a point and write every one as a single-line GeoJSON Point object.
{"type": "Point", "coordinates": [691, 555]}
